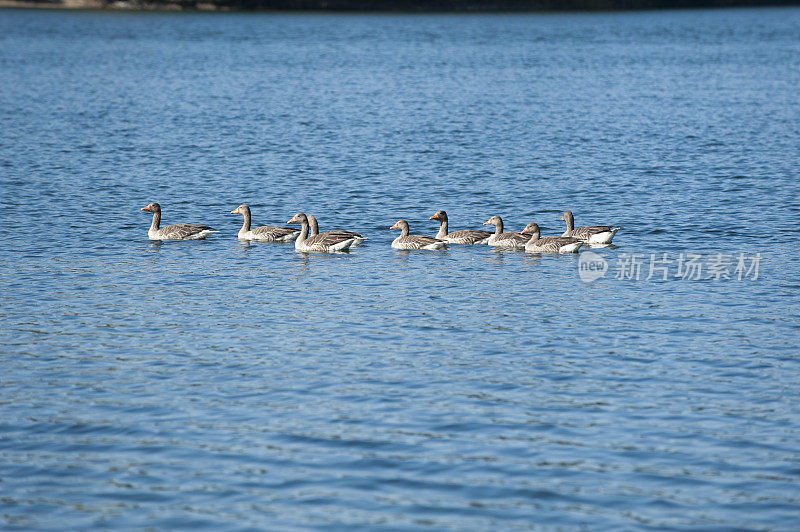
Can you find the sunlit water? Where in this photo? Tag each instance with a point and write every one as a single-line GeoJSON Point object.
{"type": "Point", "coordinates": [222, 386]}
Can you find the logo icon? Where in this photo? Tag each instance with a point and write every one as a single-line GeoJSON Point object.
{"type": "Point", "coordinates": [591, 266]}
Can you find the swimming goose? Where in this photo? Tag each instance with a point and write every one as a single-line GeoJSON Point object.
{"type": "Point", "coordinates": [266, 233]}
{"type": "Point", "coordinates": [323, 242]}
{"type": "Point", "coordinates": [174, 232]}
{"type": "Point", "coordinates": [504, 240]}
{"type": "Point", "coordinates": [406, 241]}
{"type": "Point", "coordinates": [313, 230]}
{"type": "Point", "coordinates": [600, 234]}
{"type": "Point", "coordinates": [464, 236]}
{"type": "Point", "coordinates": [549, 244]}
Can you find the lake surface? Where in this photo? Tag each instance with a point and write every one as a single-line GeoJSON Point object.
{"type": "Point", "coordinates": [221, 385]}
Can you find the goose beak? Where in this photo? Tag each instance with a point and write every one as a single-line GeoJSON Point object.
{"type": "Point", "coordinates": [292, 221]}
{"type": "Point", "coordinates": [433, 217]}
{"type": "Point", "coordinates": [234, 211]}
{"type": "Point", "coordinates": [562, 217]}
{"type": "Point", "coordinates": [486, 223]}
{"type": "Point", "coordinates": [145, 209]}
{"type": "Point", "coordinates": [394, 227]}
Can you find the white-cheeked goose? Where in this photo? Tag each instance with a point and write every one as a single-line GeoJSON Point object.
{"type": "Point", "coordinates": [407, 241]}
{"type": "Point", "coordinates": [265, 233]}
{"type": "Point", "coordinates": [463, 236]}
{"type": "Point", "coordinates": [505, 240]}
{"type": "Point", "coordinates": [174, 232]}
{"type": "Point", "coordinates": [324, 242]}
{"type": "Point", "coordinates": [549, 244]}
{"type": "Point", "coordinates": [599, 234]}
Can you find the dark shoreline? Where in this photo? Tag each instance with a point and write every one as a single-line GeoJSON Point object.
{"type": "Point", "coordinates": [400, 6]}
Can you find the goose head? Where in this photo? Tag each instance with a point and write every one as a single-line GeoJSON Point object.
{"type": "Point", "coordinates": [494, 220]}
{"type": "Point", "coordinates": [298, 218]}
{"type": "Point", "coordinates": [153, 207]}
{"type": "Point", "coordinates": [402, 225]}
{"type": "Point", "coordinates": [532, 229]}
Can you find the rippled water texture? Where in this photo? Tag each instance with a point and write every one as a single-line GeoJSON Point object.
{"type": "Point", "coordinates": [222, 386]}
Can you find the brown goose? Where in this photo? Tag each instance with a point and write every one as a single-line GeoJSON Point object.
{"type": "Point", "coordinates": [505, 240]}
{"type": "Point", "coordinates": [324, 242]}
{"type": "Point", "coordinates": [313, 230]}
{"type": "Point", "coordinates": [599, 234]}
{"type": "Point", "coordinates": [549, 244]}
{"type": "Point", "coordinates": [266, 233]}
{"type": "Point", "coordinates": [174, 232]}
{"type": "Point", "coordinates": [406, 241]}
{"type": "Point", "coordinates": [464, 236]}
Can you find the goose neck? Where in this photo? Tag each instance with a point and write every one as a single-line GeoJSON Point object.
{"type": "Point", "coordinates": [246, 223]}
{"type": "Point", "coordinates": [303, 233]}
{"type": "Point", "coordinates": [156, 223]}
{"type": "Point", "coordinates": [313, 226]}
{"type": "Point", "coordinates": [570, 221]}
{"type": "Point", "coordinates": [443, 230]}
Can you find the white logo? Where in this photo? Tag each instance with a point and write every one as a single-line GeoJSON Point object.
{"type": "Point", "coordinates": [591, 266]}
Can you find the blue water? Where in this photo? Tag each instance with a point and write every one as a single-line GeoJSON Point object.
{"type": "Point", "coordinates": [221, 385]}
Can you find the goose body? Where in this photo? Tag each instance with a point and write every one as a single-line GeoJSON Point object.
{"type": "Point", "coordinates": [176, 231]}
{"type": "Point", "coordinates": [265, 233]}
{"type": "Point", "coordinates": [407, 241]}
{"type": "Point", "coordinates": [505, 240]}
{"type": "Point", "coordinates": [313, 230]}
{"type": "Point", "coordinates": [549, 244]}
{"type": "Point", "coordinates": [324, 243]}
{"type": "Point", "coordinates": [598, 234]}
{"type": "Point", "coordinates": [464, 236]}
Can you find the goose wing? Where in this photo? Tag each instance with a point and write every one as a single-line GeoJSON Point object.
{"type": "Point", "coordinates": [184, 231]}
{"type": "Point", "coordinates": [325, 241]}
{"type": "Point", "coordinates": [559, 240]}
{"type": "Point", "coordinates": [516, 237]}
{"type": "Point", "coordinates": [585, 232]}
{"type": "Point", "coordinates": [273, 231]}
{"type": "Point", "coordinates": [552, 244]}
{"type": "Point", "coordinates": [348, 234]}
{"type": "Point", "coordinates": [424, 240]}
{"type": "Point", "coordinates": [417, 242]}
{"type": "Point", "coordinates": [468, 236]}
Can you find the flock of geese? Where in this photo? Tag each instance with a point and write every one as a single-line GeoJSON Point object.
{"type": "Point", "coordinates": [308, 238]}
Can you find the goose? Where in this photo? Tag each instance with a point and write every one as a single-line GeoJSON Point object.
{"type": "Point", "coordinates": [549, 244]}
{"type": "Point", "coordinates": [406, 241]}
{"type": "Point", "coordinates": [600, 234]}
{"type": "Point", "coordinates": [505, 240]}
{"type": "Point", "coordinates": [464, 236]}
{"type": "Point", "coordinates": [174, 232]}
{"type": "Point", "coordinates": [313, 230]}
{"type": "Point", "coordinates": [266, 233]}
{"type": "Point", "coordinates": [324, 242]}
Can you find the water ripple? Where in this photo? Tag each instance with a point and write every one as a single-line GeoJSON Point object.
{"type": "Point", "coordinates": [225, 385]}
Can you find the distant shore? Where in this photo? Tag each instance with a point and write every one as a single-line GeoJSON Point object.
{"type": "Point", "coordinates": [388, 5]}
